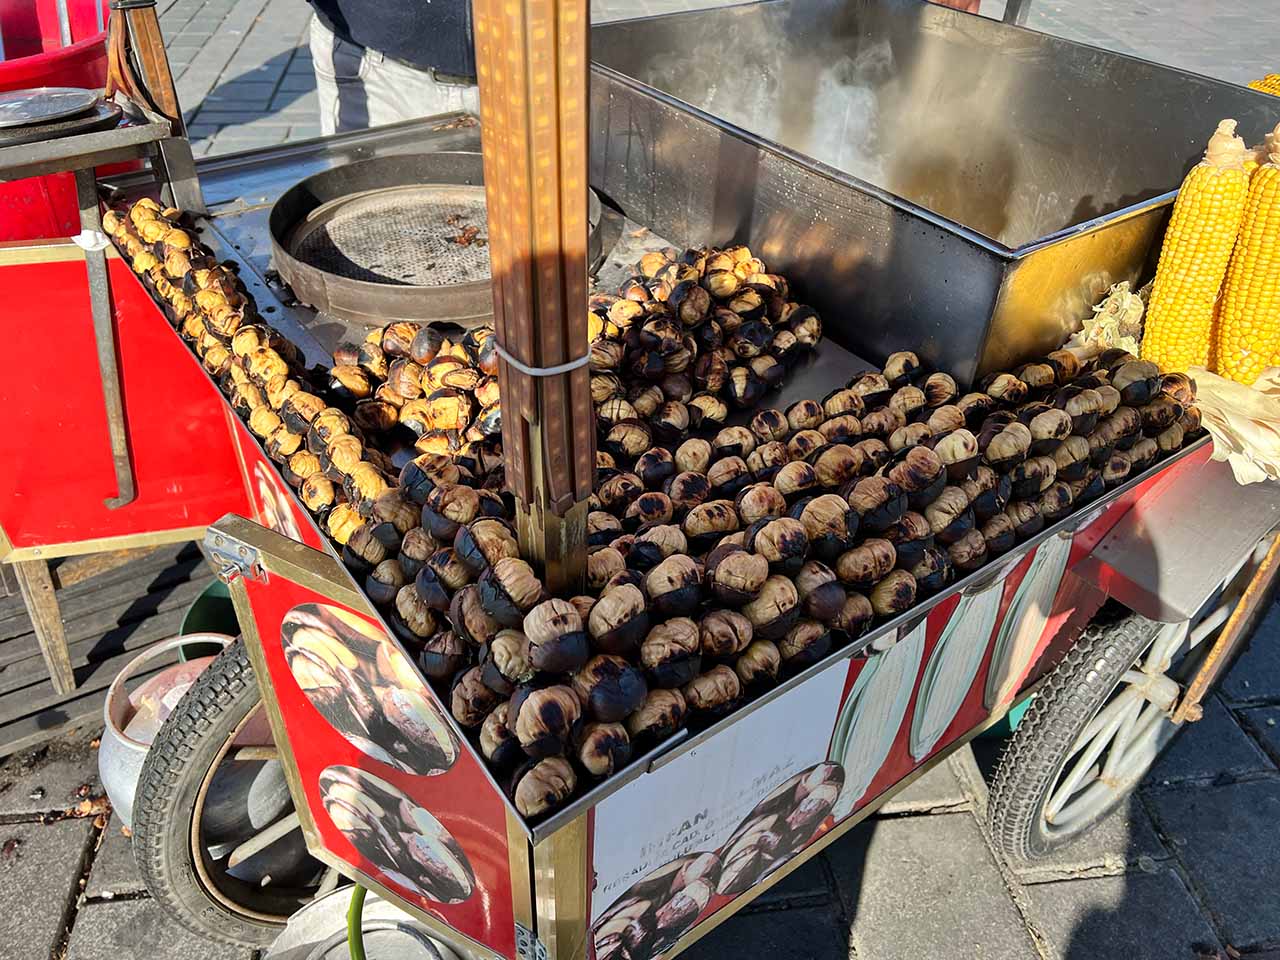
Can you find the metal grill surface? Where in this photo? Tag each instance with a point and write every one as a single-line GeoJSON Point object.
{"type": "Point", "coordinates": [412, 235]}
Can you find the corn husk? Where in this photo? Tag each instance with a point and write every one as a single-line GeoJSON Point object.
{"type": "Point", "coordinates": [1244, 422]}
{"type": "Point", "coordinates": [1116, 322]}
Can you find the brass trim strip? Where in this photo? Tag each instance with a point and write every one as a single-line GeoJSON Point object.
{"type": "Point", "coordinates": [521, 867]}
{"type": "Point", "coordinates": [25, 252]}
{"type": "Point", "coordinates": [561, 877]}
{"type": "Point", "coordinates": [128, 541]}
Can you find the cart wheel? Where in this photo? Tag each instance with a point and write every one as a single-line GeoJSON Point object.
{"type": "Point", "coordinates": [1100, 721]}
{"type": "Point", "coordinates": [215, 834]}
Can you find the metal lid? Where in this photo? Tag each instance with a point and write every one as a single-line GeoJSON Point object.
{"type": "Point", "coordinates": [20, 108]}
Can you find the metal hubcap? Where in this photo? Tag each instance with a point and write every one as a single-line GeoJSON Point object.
{"type": "Point", "coordinates": [246, 841]}
{"type": "Point", "coordinates": [1119, 745]}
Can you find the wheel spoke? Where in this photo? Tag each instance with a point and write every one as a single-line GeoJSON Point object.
{"type": "Point", "coordinates": [1087, 805]}
{"type": "Point", "coordinates": [1085, 767]}
{"type": "Point", "coordinates": [1124, 734]}
{"type": "Point", "coordinates": [1168, 639]}
{"type": "Point", "coordinates": [264, 839]}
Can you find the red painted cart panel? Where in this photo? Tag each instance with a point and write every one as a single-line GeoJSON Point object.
{"type": "Point", "coordinates": [55, 454]}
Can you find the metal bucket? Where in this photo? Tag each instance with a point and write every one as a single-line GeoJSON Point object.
{"type": "Point", "coordinates": [132, 720]}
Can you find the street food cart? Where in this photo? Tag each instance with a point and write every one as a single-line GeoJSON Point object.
{"type": "Point", "coordinates": [343, 740]}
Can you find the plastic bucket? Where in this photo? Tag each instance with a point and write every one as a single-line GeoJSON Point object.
{"type": "Point", "coordinates": [35, 52]}
{"type": "Point", "coordinates": [211, 612]}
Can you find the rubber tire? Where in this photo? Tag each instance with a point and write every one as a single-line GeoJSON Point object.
{"type": "Point", "coordinates": [1036, 753]}
{"type": "Point", "coordinates": [185, 748]}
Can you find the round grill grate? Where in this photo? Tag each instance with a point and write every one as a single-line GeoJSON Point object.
{"type": "Point", "coordinates": [429, 235]}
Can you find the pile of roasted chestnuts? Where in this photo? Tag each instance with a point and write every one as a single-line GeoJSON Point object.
{"type": "Point", "coordinates": [726, 553]}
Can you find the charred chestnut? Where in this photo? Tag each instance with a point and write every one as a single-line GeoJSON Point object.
{"type": "Point", "coordinates": [688, 490]}
{"type": "Point", "coordinates": [932, 571]}
{"type": "Point", "coordinates": [662, 714]}
{"type": "Point", "coordinates": [1032, 477]}
{"type": "Point", "coordinates": [821, 595]}
{"type": "Point", "coordinates": [728, 476]}
{"type": "Point", "coordinates": [969, 552]}
{"type": "Point", "coordinates": [918, 472]}
{"type": "Point", "coordinates": [854, 618]}
{"type": "Point", "coordinates": [879, 502]}
{"type": "Point", "coordinates": [610, 687]}
{"type": "Point", "coordinates": [470, 701]}
{"type": "Point", "coordinates": [541, 787]}
{"type": "Point", "coordinates": [782, 542]}
{"type": "Point", "coordinates": [910, 537]}
{"type": "Point", "coordinates": [654, 467]}
{"type": "Point", "coordinates": [557, 639]}
{"type": "Point", "coordinates": [774, 609]}
{"type": "Point", "coordinates": [603, 748]}
{"type": "Point", "coordinates": [706, 523]}
{"type": "Point", "coordinates": [1004, 445]}
{"type": "Point", "coordinates": [939, 389]}
{"type": "Point", "coordinates": [795, 479]}
{"type": "Point", "coordinates": [498, 744]}
{"type": "Point", "coordinates": [893, 595]}
{"type": "Point", "coordinates": [1026, 517]}
{"type": "Point", "coordinates": [671, 652]}
{"type": "Point", "coordinates": [1137, 380]}
{"type": "Point", "coordinates": [837, 464]}
{"type": "Point", "coordinates": [544, 719]}
{"type": "Point", "coordinates": [1055, 502]}
{"type": "Point", "coordinates": [510, 589]}
{"type": "Point", "coordinates": [735, 575]}
{"type": "Point", "coordinates": [804, 645]}
{"type": "Point", "coordinates": [713, 693]}
{"type": "Point", "coordinates": [1000, 534]}
{"type": "Point", "coordinates": [619, 620]}
{"type": "Point", "coordinates": [506, 662]}
{"type": "Point", "coordinates": [673, 586]}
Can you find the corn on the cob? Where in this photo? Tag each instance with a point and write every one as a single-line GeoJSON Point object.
{"type": "Point", "coordinates": [1193, 260]}
{"type": "Point", "coordinates": [1248, 334]}
{"type": "Point", "coordinates": [1268, 84]}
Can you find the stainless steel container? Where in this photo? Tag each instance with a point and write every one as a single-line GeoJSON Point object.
{"type": "Point", "coordinates": [930, 180]}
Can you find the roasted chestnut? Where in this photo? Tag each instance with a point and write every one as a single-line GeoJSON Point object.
{"type": "Point", "coordinates": [837, 464]}
{"type": "Point", "coordinates": [774, 609]}
{"type": "Point", "coordinates": [804, 645]}
{"type": "Point", "coordinates": [939, 389]}
{"type": "Point", "coordinates": [628, 438]}
{"type": "Point", "coordinates": [872, 387]}
{"type": "Point", "coordinates": [902, 368]}
{"type": "Point", "coordinates": [879, 502]}
{"type": "Point", "coordinates": [895, 594]}
{"type": "Point", "coordinates": [758, 501]}
{"type": "Point", "coordinates": [648, 509]}
{"type": "Point", "coordinates": [795, 479]}
{"type": "Point", "coordinates": [745, 388]}
{"type": "Point", "coordinates": [767, 459]}
{"type": "Point", "coordinates": [976, 407]}
{"type": "Point", "coordinates": [913, 434]}
{"type": "Point", "coordinates": [470, 700]}
{"type": "Point", "coordinates": [950, 516]}
{"type": "Point", "coordinates": [543, 786]}
{"type": "Point", "coordinates": [1049, 427]}
{"type": "Point", "coordinates": [769, 425]}
{"type": "Point", "coordinates": [841, 402]}
{"type": "Point", "coordinates": [671, 652]}
{"type": "Point", "coordinates": [384, 582]}
{"type": "Point", "coordinates": [414, 620]}
{"type": "Point", "coordinates": [781, 541]}
{"type": "Point", "coordinates": [734, 442]}
{"type": "Point", "coordinates": [713, 693]}
{"type": "Point", "coordinates": [447, 507]}
{"type": "Point", "coordinates": [910, 537]}
{"type": "Point", "coordinates": [728, 476]}
{"type": "Point", "coordinates": [662, 714]}
{"type": "Point", "coordinates": [1137, 380]}
{"type": "Point", "coordinates": [1004, 445]}
{"type": "Point", "coordinates": [881, 423]}
{"type": "Point", "coordinates": [854, 618]}
{"type": "Point", "coordinates": [654, 467]}
{"type": "Point", "coordinates": [1026, 517]}
{"type": "Point", "coordinates": [603, 748]}
{"type": "Point", "coordinates": [673, 586]}
{"type": "Point", "coordinates": [932, 571]}
{"type": "Point", "coordinates": [918, 472]}
{"type": "Point", "coordinates": [694, 456]}
{"type": "Point", "coordinates": [688, 490]}
{"type": "Point", "coordinates": [1055, 502]}
{"type": "Point", "coordinates": [506, 662]}
{"type": "Point", "coordinates": [544, 718]}
{"type": "Point", "coordinates": [969, 552]}
{"type": "Point", "coordinates": [617, 492]}
{"type": "Point", "coordinates": [821, 595]}
{"type": "Point", "coordinates": [509, 589]}
{"type": "Point", "coordinates": [1032, 477]}
{"type": "Point", "coordinates": [610, 687]}
{"type": "Point", "coordinates": [735, 575]}
{"type": "Point", "coordinates": [944, 419]}
{"type": "Point", "coordinates": [805, 443]}
{"type": "Point", "coordinates": [557, 639]}
{"type": "Point", "coordinates": [1005, 388]}
{"type": "Point", "coordinates": [707, 522]}
{"type": "Point", "coordinates": [498, 744]}
{"type": "Point", "coordinates": [829, 523]}
{"type": "Point", "coordinates": [604, 563]}
{"type": "Point", "coordinates": [999, 534]}
{"type": "Point", "coordinates": [619, 620]}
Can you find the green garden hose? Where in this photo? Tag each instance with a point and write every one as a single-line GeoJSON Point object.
{"type": "Point", "coordinates": [355, 923]}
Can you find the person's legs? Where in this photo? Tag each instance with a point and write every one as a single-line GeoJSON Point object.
{"type": "Point", "coordinates": [340, 67]}
{"type": "Point", "coordinates": [397, 91]}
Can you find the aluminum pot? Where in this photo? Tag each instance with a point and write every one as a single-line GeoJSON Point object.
{"type": "Point", "coordinates": [132, 719]}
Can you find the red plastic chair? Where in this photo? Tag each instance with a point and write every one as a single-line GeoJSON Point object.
{"type": "Point", "coordinates": [43, 47]}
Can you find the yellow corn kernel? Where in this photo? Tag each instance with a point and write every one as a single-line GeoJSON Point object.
{"type": "Point", "coordinates": [1193, 260]}
{"type": "Point", "coordinates": [1248, 333]}
{"type": "Point", "coordinates": [1268, 84]}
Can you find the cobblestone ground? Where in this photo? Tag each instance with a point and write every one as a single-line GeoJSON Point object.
{"type": "Point", "coordinates": [1188, 870]}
